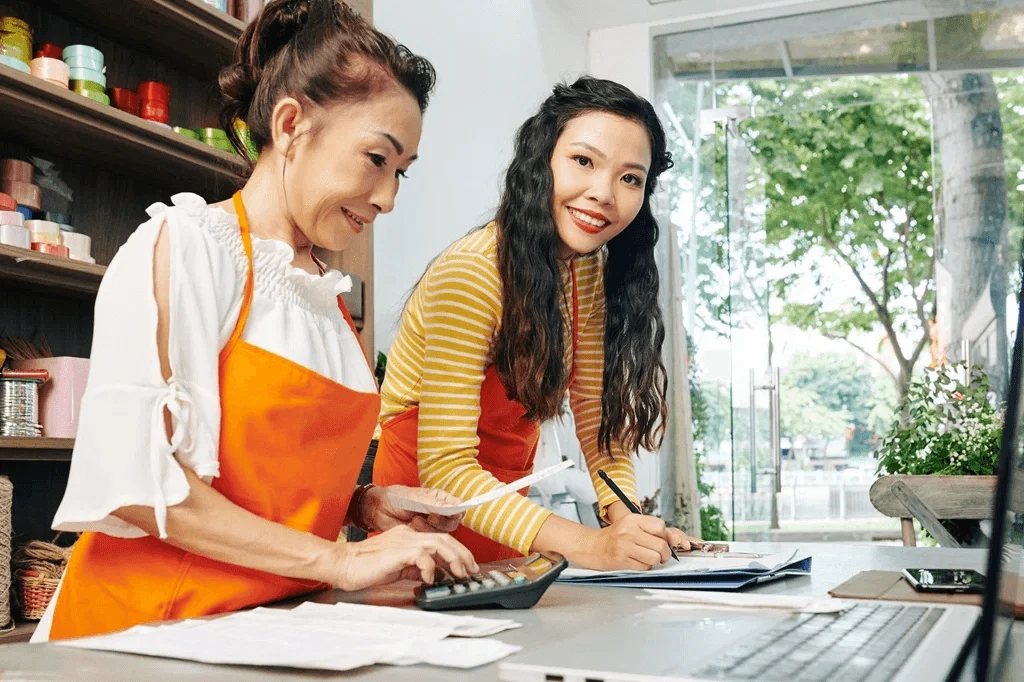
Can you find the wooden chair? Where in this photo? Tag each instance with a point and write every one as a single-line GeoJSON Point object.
{"type": "Point", "coordinates": [931, 498]}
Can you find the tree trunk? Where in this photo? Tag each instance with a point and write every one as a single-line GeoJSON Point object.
{"type": "Point", "coordinates": [971, 238]}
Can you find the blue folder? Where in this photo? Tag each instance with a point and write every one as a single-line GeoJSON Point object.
{"type": "Point", "coordinates": [696, 580]}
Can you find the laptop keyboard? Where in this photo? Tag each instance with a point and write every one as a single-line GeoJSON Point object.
{"type": "Point", "coordinates": [867, 643]}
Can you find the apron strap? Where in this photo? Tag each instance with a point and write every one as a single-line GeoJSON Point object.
{"type": "Point", "coordinates": [243, 315]}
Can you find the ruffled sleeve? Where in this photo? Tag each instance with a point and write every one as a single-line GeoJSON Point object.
{"type": "Point", "coordinates": [122, 455]}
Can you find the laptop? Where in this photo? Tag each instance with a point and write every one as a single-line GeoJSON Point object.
{"type": "Point", "coordinates": [873, 641]}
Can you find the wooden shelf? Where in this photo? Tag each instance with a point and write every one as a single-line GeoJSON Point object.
{"type": "Point", "coordinates": [22, 632]}
{"type": "Point", "coordinates": [49, 272]}
{"type": "Point", "coordinates": [36, 449]}
{"type": "Point", "coordinates": [184, 32]}
{"type": "Point", "coordinates": [43, 115]}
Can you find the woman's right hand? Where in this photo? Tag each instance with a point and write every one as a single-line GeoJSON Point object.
{"type": "Point", "coordinates": [633, 542]}
{"type": "Point", "coordinates": [400, 553]}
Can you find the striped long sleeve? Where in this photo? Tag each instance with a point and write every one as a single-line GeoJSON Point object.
{"type": "Point", "coordinates": [438, 362]}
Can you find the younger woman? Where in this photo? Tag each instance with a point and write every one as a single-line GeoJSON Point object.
{"type": "Point", "coordinates": [559, 293]}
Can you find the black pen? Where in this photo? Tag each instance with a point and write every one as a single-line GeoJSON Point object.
{"type": "Point", "coordinates": [626, 501]}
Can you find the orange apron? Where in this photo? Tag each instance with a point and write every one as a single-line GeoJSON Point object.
{"type": "Point", "coordinates": [508, 445]}
{"type": "Point", "coordinates": [291, 445]}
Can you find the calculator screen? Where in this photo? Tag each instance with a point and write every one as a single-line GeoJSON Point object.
{"type": "Point", "coordinates": [539, 565]}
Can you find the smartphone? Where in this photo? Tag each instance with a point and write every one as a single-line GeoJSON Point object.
{"type": "Point", "coordinates": [944, 579]}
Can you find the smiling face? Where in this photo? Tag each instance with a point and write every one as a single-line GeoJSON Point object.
{"type": "Point", "coordinates": [347, 172]}
{"type": "Point", "coordinates": [599, 168]}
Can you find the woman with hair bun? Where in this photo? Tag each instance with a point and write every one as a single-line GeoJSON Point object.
{"type": "Point", "coordinates": [229, 404]}
{"type": "Point", "coordinates": [559, 294]}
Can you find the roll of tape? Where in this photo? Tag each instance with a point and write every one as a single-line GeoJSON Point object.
{"type": "Point", "coordinates": [154, 90]}
{"type": "Point", "coordinates": [67, 228]}
{"type": "Point", "coordinates": [94, 96]}
{"type": "Point", "coordinates": [52, 249]}
{"type": "Point", "coordinates": [82, 53]}
{"type": "Point", "coordinates": [50, 69]}
{"type": "Point", "coordinates": [7, 202]}
{"type": "Point", "coordinates": [125, 100]}
{"type": "Point", "coordinates": [14, 63]}
{"type": "Point", "coordinates": [49, 50]}
{"type": "Point", "coordinates": [12, 218]}
{"type": "Point", "coordinates": [78, 244]}
{"type": "Point", "coordinates": [14, 24]}
{"type": "Point", "coordinates": [25, 211]}
{"type": "Point", "coordinates": [16, 170]}
{"type": "Point", "coordinates": [43, 226]}
{"type": "Point", "coordinates": [91, 75]}
{"type": "Point", "coordinates": [81, 86]}
{"type": "Point", "coordinates": [44, 237]}
{"type": "Point", "coordinates": [186, 132]}
{"type": "Point", "coordinates": [17, 46]}
{"type": "Point", "coordinates": [26, 194]}
{"type": "Point", "coordinates": [15, 235]}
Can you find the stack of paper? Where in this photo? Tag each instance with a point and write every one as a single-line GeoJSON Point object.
{"type": "Point", "coordinates": [679, 599]}
{"type": "Point", "coordinates": [697, 571]}
{"type": "Point", "coordinates": [317, 636]}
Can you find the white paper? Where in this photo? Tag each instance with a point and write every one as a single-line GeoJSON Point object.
{"type": "Point", "coordinates": [451, 510]}
{"type": "Point", "coordinates": [314, 636]}
{"type": "Point", "coordinates": [690, 563]}
{"type": "Point", "coordinates": [744, 600]}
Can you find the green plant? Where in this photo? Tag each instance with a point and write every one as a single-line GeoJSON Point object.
{"type": "Point", "coordinates": [712, 523]}
{"type": "Point", "coordinates": [946, 425]}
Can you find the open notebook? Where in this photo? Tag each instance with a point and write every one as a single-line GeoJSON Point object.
{"type": "Point", "coordinates": [697, 571]}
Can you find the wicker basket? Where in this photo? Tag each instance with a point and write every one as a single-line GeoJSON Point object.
{"type": "Point", "coordinates": [34, 592]}
{"type": "Point", "coordinates": [38, 568]}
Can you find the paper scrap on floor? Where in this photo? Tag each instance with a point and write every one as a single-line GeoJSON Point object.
{"type": "Point", "coordinates": [496, 494]}
{"type": "Point", "coordinates": [335, 637]}
{"type": "Point", "coordinates": [689, 563]}
{"type": "Point", "coordinates": [744, 601]}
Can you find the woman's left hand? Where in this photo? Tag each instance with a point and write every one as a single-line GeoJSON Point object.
{"type": "Point", "coordinates": [679, 540]}
{"type": "Point", "coordinates": [381, 514]}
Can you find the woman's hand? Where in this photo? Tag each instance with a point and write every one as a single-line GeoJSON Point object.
{"type": "Point", "coordinates": [399, 553]}
{"type": "Point", "coordinates": [380, 514]}
{"type": "Point", "coordinates": [633, 541]}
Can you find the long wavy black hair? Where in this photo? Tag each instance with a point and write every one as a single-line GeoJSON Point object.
{"type": "Point", "coordinates": [530, 344]}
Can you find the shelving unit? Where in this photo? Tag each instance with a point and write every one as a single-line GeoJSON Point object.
{"type": "Point", "coordinates": [182, 32]}
{"type": "Point", "coordinates": [36, 449]}
{"type": "Point", "coordinates": [59, 121]}
{"type": "Point", "coordinates": [49, 272]}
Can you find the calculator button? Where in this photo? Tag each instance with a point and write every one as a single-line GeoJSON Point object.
{"type": "Point", "coordinates": [459, 588]}
{"type": "Point", "coordinates": [437, 591]}
{"type": "Point", "coordinates": [500, 578]}
{"type": "Point", "coordinates": [488, 583]}
{"type": "Point", "coordinates": [473, 586]}
{"type": "Point", "coordinates": [517, 577]}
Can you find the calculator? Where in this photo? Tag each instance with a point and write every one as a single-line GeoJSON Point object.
{"type": "Point", "coordinates": [511, 584]}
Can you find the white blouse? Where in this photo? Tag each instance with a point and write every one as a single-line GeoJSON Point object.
{"type": "Point", "coordinates": [122, 455]}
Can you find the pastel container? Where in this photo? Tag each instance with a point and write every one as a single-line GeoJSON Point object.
{"type": "Point", "coordinates": [58, 250]}
{"type": "Point", "coordinates": [82, 54]}
{"type": "Point", "coordinates": [15, 235]}
{"type": "Point", "coordinates": [12, 218]}
{"type": "Point", "coordinates": [91, 75]}
{"type": "Point", "coordinates": [14, 63]}
{"type": "Point", "coordinates": [25, 193]}
{"type": "Point", "coordinates": [60, 398]}
{"type": "Point", "coordinates": [52, 70]}
{"type": "Point", "coordinates": [16, 170]}
{"type": "Point", "coordinates": [43, 226]}
{"type": "Point", "coordinates": [78, 244]}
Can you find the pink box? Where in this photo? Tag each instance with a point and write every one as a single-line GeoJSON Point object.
{"type": "Point", "coordinates": [61, 396]}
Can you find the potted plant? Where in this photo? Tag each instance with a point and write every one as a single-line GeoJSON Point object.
{"type": "Point", "coordinates": [948, 424]}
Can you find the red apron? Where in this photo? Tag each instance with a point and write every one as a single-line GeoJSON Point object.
{"type": "Point", "coordinates": [292, 442]}
{"type": "Point", "coordinates": [508, 445]}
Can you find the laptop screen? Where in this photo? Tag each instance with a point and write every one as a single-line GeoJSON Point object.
{"type": "Point", "coordinates": [1005, 594]}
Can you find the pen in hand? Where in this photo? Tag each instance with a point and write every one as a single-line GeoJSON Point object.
{"type": "Point", "coordinates": [626, 501]}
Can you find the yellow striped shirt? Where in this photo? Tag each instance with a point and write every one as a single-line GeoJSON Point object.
{"type": "Point", "coordinates": [438, 360]}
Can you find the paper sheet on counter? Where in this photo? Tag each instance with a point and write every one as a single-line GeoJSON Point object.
{"type": "Point", "coordinates": [315, 636]}
{"type": "Point", "coordinates": [689, 563]}
{"type": "Point", "coordinates": [744, 601]}
{"type": "Point", "coordinates": [496, 494]}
